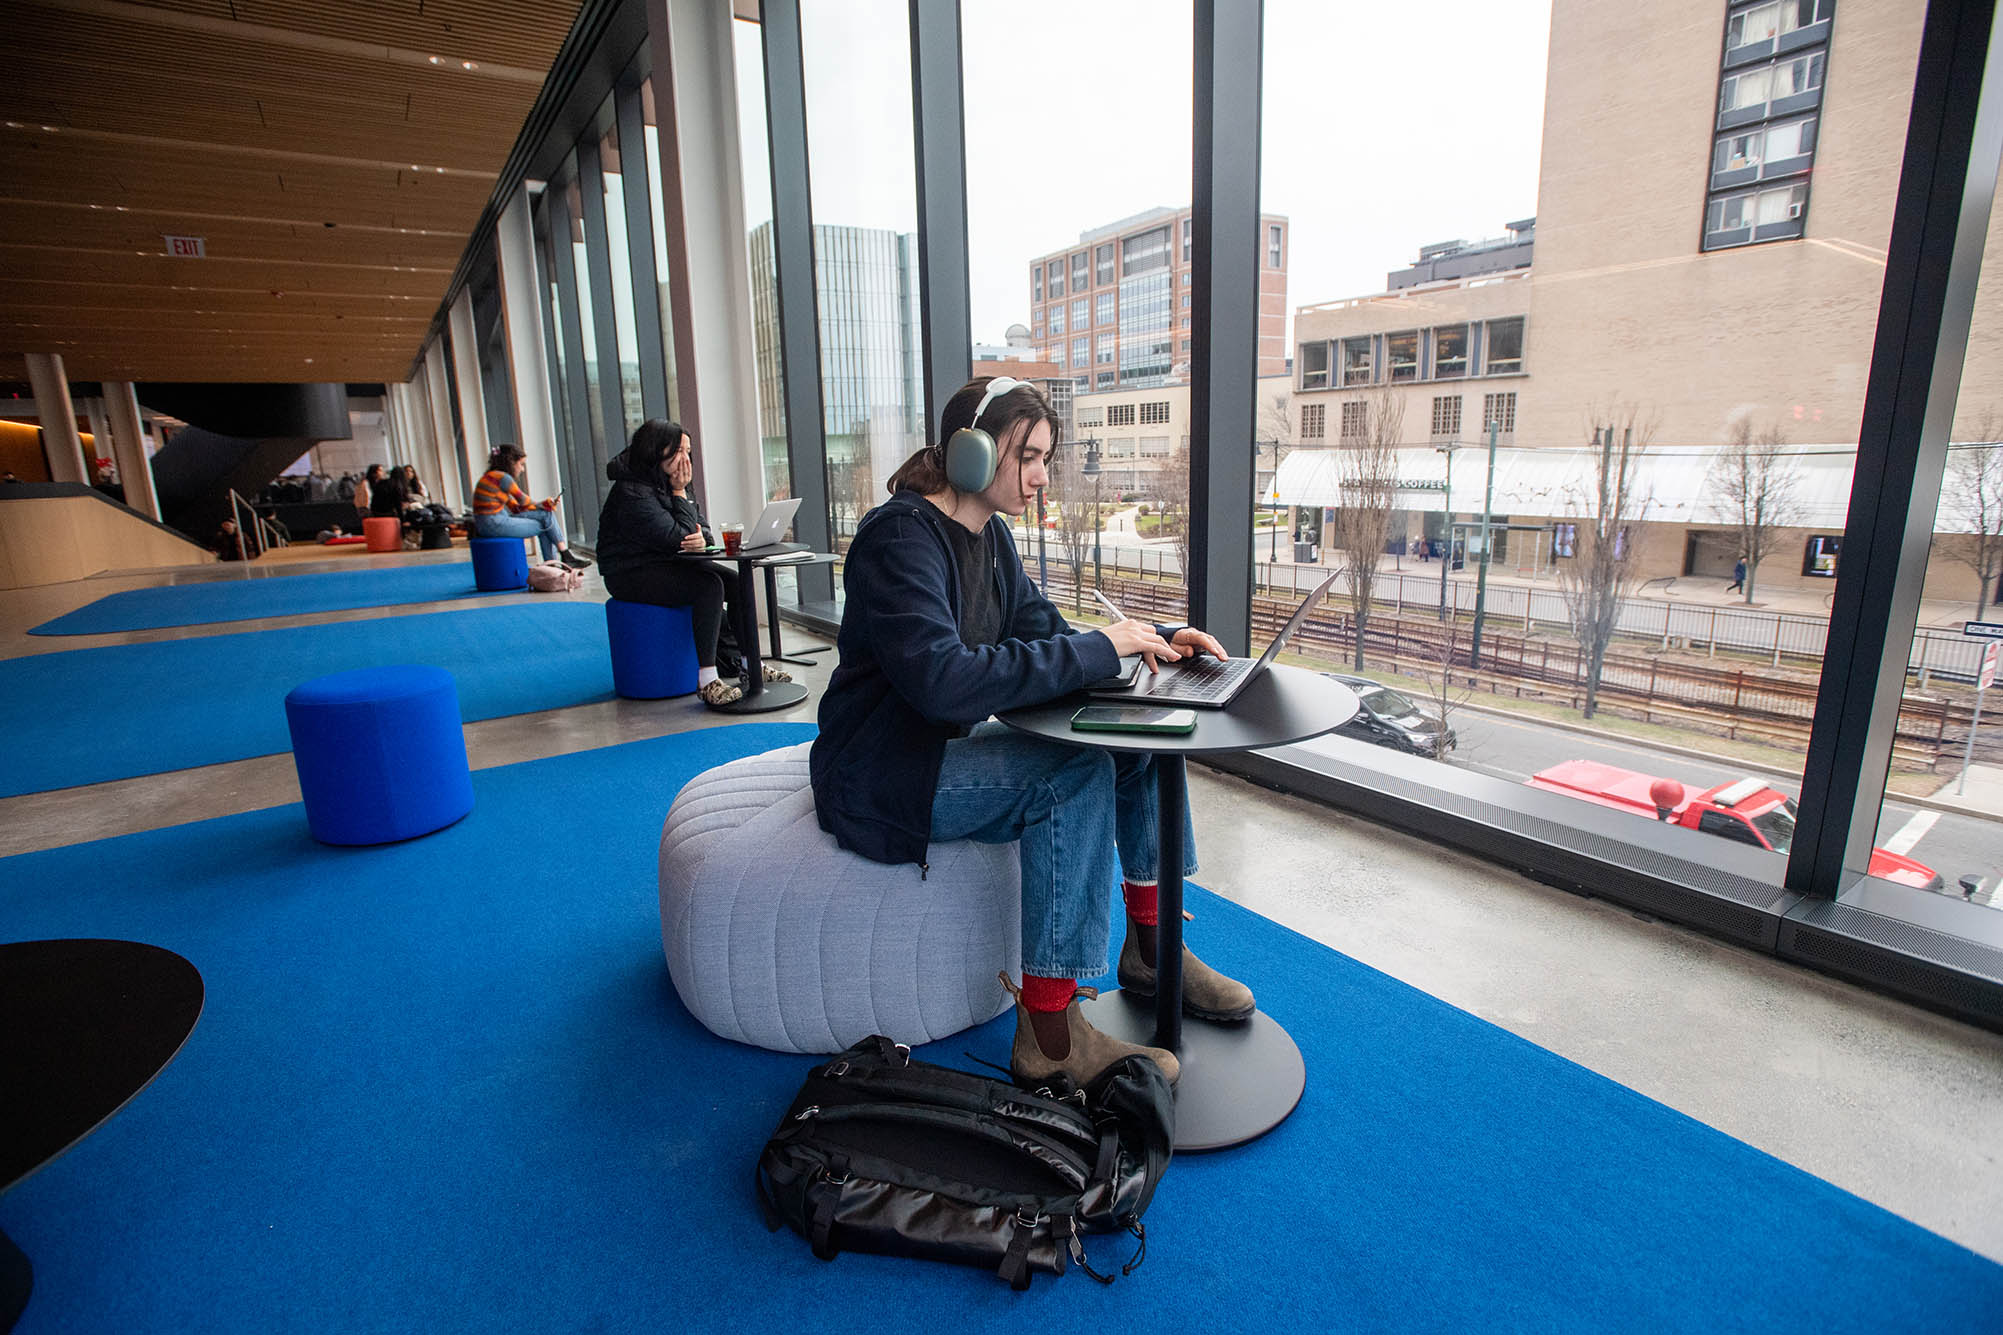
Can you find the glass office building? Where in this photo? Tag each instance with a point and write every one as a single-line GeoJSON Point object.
{"type": "Point", "coordinates": [868, 335]}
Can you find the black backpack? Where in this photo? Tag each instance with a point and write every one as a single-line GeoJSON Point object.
{"type": "Point", "coordinates": [879, 1153]}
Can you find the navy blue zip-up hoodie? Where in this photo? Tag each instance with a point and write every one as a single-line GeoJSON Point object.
{"type": "Point", "coordinates": [906, 685]}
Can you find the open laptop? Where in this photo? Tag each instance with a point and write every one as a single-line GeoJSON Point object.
{"type": "Point", "coordinates": [772, 524]}
{"type": "Point", "coordinates": [1205, 683]}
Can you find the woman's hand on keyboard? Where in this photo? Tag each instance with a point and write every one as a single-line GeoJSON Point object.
{"type": "Point", "coordinates": [1189, 642]}
{"type": "Point", "coordinates": [1138, 637]}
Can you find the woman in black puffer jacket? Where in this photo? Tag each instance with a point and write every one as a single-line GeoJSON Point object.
{"type": "Point", "coordinates": [649, 521]}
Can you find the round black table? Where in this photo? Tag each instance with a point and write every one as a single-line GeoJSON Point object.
{"type": "Point", "coordinates": [760, 696]}
{"type": "Point", "coordinates": [84, 1026]}
{"type": "Point", "coordinates": [1241, 1079]}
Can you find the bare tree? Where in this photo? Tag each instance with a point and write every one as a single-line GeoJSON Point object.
{"type": "Point", "coordinates": [1171, 493]}
{"type": "Point", "coordinates": [1971, 497]}
{"type": "Point", "coordinates": [1759, 482]}
{"type": "Point", "coordinates": [1435, 667]}
{"type": "Point", "coordinates": [1609, 504]}
{"type": "Point", "coordinates": [1070, 492]}
{"type": "Point", "coordinates": [1367, 492]}
{"type": "Point", "coordinates": [1276, 420]}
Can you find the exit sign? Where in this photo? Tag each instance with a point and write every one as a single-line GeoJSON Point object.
{"type": "Point", "coordinates": [186, 247]}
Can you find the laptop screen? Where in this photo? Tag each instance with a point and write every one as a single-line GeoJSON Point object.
{"type": "Point", "coordinates": [1294, 621]}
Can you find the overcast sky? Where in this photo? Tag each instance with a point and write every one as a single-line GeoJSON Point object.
{"type": "Point", "coordinates": [1385, 128]}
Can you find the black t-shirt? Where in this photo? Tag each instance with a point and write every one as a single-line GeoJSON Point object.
{"type": "Point", "coordinates": [980, 605]}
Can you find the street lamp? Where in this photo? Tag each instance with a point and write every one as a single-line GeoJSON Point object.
{"type": "Point", "coordinates": [1092, 470]}
{"type": "Point", "coordinates": [1447, 504]}
{"type": "Point", "coordinates": [1481, 578]}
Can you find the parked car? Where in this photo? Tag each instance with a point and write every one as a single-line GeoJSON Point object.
{"type": "Point", "coordinates": [1748, 811]}
{"type": "Point", "coordinates": [1390, 718]}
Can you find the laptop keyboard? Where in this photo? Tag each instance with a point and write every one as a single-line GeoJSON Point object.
{"type": "Point", "coordinates": [1200, 679]}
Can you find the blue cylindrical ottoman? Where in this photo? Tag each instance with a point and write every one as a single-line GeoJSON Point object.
{"type": "Point", "coordinates": [653, 649]}
{"type": "Point", "coordinates": [380, 753]}
{"type": "Point", "coordinates": [498, 563]}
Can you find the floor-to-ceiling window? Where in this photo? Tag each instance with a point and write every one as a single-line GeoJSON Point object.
{"type": "Point", "coordinates": [663, 292]}
{"type": "Point", "coordinates": [569, 447]}
{"type": "Point", "coordinates": [757, 171]}
{"type": "Point", "coordinates": [1078, 273]}
{"type": "Point", "coordinates": [1948, 751]}
{"type": "Point", "coordinates": [1583, 478]}
{"type": "Point", "coordinates": [623, 362]}
{"type": "Point", "coordinates": [860, 152]}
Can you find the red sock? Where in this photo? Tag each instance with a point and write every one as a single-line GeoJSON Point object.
{"type": "Point", "coordinates": [1047, 995]}
{"type": "Point", "coordinates": [1140, 902]}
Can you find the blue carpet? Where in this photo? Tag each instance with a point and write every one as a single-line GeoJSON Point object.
{"type": "Point", "coordinates": [89, 715]}
{"type": "Point", "coordinates": [446, 1086]}
{"type": "Point", "coordinates": [272, 596]}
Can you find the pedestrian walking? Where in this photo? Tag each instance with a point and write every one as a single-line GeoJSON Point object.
{"type": "Point", "coordinates": [1738, 576]}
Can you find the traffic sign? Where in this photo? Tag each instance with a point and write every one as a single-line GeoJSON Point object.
{"type": "Point", "coordinates": [1983, 630]}
{"type": "Point", "coordinates": [1988, 677]}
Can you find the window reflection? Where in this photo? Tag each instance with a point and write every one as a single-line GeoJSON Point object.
{"type": "Point", "coordinates": [624, 329]}
{"type": "Point", "coordinates": [860, 160]}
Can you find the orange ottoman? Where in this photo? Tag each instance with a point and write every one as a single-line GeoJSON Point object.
{"type": "Point", "coordinates": [384, 533]}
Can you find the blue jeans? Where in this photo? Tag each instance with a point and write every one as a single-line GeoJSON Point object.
{"type": "Point", "coordinates": [538, 524]}
{"type": "Point", "coordinates": [1072, 809]}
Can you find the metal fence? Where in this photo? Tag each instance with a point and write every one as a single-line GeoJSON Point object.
{"type": "Point", "coordinates": [1776, 636]}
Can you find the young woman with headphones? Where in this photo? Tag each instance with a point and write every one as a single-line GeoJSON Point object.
{"type": "Point", "coordinates": [944, 628]}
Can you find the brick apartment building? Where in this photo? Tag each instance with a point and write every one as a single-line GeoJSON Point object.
{"type": "Point", "coordinates": [1114, 310]}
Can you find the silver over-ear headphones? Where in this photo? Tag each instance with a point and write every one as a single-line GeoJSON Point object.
{"type": "Point", "coordinates": [971, 454]}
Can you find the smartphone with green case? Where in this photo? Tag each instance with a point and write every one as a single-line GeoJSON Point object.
{"type": "Point", "coordinates": [1133, 718]}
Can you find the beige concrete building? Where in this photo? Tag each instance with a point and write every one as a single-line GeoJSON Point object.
{"type": "Point", "coordinates": [1115, 309]}
{"type": "Point", "coordinates": [1687, 274]}
{"type": "Point", "coordinates": [1139, 431]}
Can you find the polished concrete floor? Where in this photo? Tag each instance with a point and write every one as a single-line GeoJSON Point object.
{"type": "Point", "coordinates": [1893, 1103]}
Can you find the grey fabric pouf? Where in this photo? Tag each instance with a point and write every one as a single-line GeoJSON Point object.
{"type": "Point", "coordinates": [777, 937]}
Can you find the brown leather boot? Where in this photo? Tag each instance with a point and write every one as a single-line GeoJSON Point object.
{"type": "Point", "coordinates": [1091, 1051]}
{"type": "Point", "coordinates": [1206, 993]}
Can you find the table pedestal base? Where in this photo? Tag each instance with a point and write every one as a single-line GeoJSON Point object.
{"type": "Point", "coordinates": [776, 695]}
{"type": "Point", "coordinates": [1238, 1082]}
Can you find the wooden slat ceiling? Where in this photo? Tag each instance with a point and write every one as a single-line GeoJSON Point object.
{"type": "Point", "coordinates": [333, 157]}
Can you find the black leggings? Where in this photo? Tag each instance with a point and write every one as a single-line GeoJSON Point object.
{"type": "Point", "coordinates": [700, 588]}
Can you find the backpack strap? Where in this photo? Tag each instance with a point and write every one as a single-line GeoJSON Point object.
{"type": "Point", "coordinates": [820, 1228]}
{"type": "Point", "coordinates": [1014, 1265]}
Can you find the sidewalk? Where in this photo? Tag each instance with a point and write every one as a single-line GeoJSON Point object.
{"type": "Point", "coordinates": [1982, 794]}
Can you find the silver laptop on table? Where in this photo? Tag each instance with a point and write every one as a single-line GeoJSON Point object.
{"type": "Point", "coordinates": [1203, 682]}
{"type": "Point", "coordinates": [772, 524]}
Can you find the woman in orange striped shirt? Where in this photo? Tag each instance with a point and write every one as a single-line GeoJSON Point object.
{"type": "Point", "coordinates": [501, 509]}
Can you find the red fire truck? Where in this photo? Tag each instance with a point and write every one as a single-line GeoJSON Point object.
{"type": "Point", "coordinates": [1747, 810]}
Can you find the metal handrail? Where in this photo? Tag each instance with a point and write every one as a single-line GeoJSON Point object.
{"type": "Point", "coordinates": [264, 535]}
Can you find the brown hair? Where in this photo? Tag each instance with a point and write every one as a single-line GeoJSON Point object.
{"type": "Point", "coordinates": [504, 458]}
{"type": "Point", "coordinates": [925, 471]}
